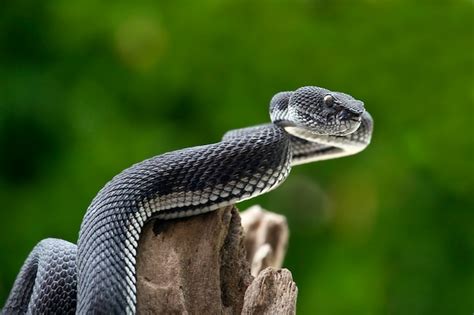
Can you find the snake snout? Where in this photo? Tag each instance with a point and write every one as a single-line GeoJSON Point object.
{"type": "Point", "coordinates": [352, 110]}
{"type": "Point", "coordinates": [350, 114]}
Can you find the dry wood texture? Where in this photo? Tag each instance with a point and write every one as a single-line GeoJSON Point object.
{"type": "Point", "coordinates": [199, 265]}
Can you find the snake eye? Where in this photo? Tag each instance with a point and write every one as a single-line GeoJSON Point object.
{"type": "Point", "coordinates": [329, 100]}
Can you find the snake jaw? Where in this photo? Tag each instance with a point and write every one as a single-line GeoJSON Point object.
{"type": "Point", "coordinates": [348, 127]}
{"type": "Point", "coordinates": [350, 119]}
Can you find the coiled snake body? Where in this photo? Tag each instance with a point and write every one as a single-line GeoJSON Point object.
{"type": "Point", "coordinates": [98, 276]}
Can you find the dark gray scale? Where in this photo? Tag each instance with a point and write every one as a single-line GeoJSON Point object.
{"type": "Point", "coordinates": [302, 149]}
{"type": "Point", "coordinates": [47, 281]}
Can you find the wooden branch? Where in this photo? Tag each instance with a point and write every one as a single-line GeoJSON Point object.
{"type": "Point", "coordinates": [198, 265]}
{"type": "Point", "coordinates": [266, 238]}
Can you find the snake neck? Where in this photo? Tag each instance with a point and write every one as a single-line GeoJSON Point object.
{"type": "Point", "coordinates": [280, 116]}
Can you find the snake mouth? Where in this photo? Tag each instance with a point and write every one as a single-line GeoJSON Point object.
{"type": "Point", "coordinates": [350, 126]}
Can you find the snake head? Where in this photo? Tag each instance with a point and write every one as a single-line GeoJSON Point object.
{"type": "Point", "coordinates": [324, 112]}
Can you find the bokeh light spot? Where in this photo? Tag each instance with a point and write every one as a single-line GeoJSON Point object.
{"type": "Point", "coordinates": [140, 42]}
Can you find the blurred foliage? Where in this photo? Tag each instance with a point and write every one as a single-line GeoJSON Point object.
{"type": "Point", "coordinates": [89, 87]}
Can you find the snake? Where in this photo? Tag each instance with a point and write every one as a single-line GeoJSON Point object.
{"type": "Point", "coordinates": [98, 276]}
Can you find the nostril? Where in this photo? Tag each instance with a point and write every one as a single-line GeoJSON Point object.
{"type": "Point", "coordinates": [346, 114]}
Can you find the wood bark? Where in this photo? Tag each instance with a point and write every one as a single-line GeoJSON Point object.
{"type": "Point", "coordinates": [199, 265]}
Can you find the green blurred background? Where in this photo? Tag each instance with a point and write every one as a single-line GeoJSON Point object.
{"type": "Point", "coordinates": [89, 87]}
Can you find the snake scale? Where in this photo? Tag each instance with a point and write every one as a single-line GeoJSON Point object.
{"type": "Point", "coordinates": [98, 275]}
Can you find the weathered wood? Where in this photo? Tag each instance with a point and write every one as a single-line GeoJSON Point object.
{"type": "Point", "coordinates": [272, 292]}
{"type": "Point", "coordinates": [266, 238]}
{"type": "Point", "coordinates": [198, 265]}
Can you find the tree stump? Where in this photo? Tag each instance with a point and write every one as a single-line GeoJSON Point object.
{"type": "Point", "coordinates": [199, 265]}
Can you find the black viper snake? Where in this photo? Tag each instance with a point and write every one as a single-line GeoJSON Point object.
{"type": "Point", "coordinates": [98, 275]}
